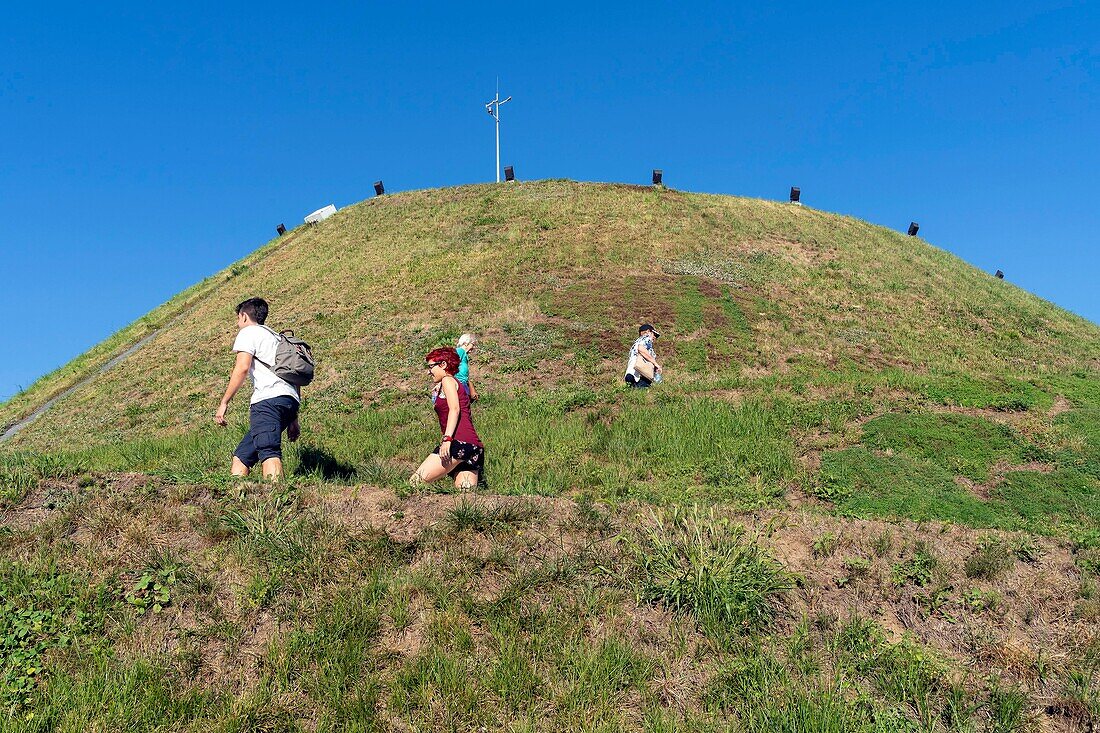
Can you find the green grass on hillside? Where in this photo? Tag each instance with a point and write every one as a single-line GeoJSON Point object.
{"type": "Point", "coordinates": [555, 275]}
{"type": "Point", "coordinates": [910, 465]}
{"type": "Point", "coordinates": [732, 548]}
{"type": "Point", "coordinates": [966, 445]}
{"type": "Point", "coordinates": [281, 614]}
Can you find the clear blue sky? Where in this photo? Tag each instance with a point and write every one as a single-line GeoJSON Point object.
{"type": "Point", "coordinates": [144, 147]}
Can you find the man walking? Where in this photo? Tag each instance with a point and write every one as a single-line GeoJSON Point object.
{"type": "Point", "coordinates": [274, 404]}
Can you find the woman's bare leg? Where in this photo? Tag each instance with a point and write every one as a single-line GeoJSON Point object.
{"type": "Point", "coordinates": [466, 480]}
{"type": "Point", "coordinates": [432, 469]}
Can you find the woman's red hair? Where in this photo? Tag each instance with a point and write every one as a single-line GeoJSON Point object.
{"type": "Point", "coordinates": [448, 356]}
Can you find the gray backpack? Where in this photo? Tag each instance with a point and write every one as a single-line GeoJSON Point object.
{"type": "Point", "coordinates": [293, 360]}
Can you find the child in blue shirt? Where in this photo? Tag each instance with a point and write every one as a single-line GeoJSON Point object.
{"type": "Point", "coordinates": [467, 342]}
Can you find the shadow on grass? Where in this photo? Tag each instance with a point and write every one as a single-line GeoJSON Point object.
{"type": "Point", "coordinates": [314, 461]}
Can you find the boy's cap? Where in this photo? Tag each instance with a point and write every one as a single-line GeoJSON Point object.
{"type": "Point", "coordinates": [649, 327]}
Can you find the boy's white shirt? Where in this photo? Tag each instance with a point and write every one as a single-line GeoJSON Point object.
{"type": "Point", "coordinates": [262, 343]}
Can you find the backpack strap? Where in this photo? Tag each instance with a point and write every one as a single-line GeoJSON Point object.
{"type": "Point", "coordinates": [276, 335]}
{"type": "Point", "coordinates": [270, 368]}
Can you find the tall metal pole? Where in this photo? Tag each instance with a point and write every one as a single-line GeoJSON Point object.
{"type": "Point", "coordinates": [493, 108]}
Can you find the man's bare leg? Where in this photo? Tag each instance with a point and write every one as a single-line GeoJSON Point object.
{"type": "Point", "coordinates": [238, 469]}
{"type": "Point", "coordinates": [273, 469]}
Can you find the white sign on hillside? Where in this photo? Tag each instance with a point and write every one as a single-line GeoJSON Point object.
{"type": "Point", "coordinates": [321, 214]}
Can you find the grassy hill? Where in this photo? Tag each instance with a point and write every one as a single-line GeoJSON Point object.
{"type": "Point", "coordinates": [871, 468]}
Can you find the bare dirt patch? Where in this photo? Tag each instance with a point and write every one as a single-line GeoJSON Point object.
{"type": "Point", "coordinates": [406, 520]}
{"type": "Point", "coordinates": [1061, 404]}
{"type": "Point", "coordinates": [28, 513]}
{"type": "Point", "coordinates": [795, 252]}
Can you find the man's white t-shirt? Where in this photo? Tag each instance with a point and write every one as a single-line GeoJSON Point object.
{"type": "Point", "coordinates": [262, 344]}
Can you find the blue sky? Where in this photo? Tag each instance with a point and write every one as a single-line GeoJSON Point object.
{"type": "Point", "coordinates": [144, 147]}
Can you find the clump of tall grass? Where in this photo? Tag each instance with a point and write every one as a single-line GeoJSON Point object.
{"type": "Point", "coordinates": [273, 532]}
{"type": "Point", "coordinates": [20, 472]}
{"type": "Point", "coordinates": [991, 558]}
{"type": "Point", "coordinates": [485, 518]}
{"type": "Point", "coordinates": [702, 564]}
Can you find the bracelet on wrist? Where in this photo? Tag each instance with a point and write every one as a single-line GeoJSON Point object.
{"type": "Point", "coordinates": [447, 438]}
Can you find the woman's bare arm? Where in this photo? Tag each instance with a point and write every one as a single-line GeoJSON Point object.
{"type": "Point", "coordinates": [450, 391]}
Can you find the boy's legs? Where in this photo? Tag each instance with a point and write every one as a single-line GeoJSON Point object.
{"type": "Point", "coordinates": [263, 443]}
{"type": "Point", "coordinates": [273, 469]}
{"type": "Point", "coordinates": [285, 411]}
{"type": "Point", "coordinates": [245, 457]}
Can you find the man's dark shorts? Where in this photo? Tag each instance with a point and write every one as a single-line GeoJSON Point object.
{"type": "Point", "coordinates": [267, 420]}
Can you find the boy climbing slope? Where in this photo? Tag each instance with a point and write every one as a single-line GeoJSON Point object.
{"type": "Point", "coordinates": [274, 404]}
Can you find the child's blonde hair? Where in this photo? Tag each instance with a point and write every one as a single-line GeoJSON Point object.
{"type": "Point", "coordinates": [466, 339]}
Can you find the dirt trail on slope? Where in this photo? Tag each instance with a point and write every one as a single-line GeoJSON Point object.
{"type": "Point", "coordinates": [25, 422]}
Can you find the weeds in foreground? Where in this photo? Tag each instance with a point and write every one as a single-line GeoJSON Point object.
{"type": "Point", "coordinates": [991, 558]}
{"type": "Point", "coordinates": [825, 544]}
{"type": "Point", "coordinates": [483, 518]}
{"type": "Point", "coordinates": [918, 569]}
{"type": "Point", "coordinates": [41, 611]}
{"type": "Point", "coordinates": [702, 564]}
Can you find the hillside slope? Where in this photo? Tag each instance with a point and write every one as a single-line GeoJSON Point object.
{"type": "Point", "coordinates": [871, 470]}
{"type": "Point", "coordinates": [553, 272]}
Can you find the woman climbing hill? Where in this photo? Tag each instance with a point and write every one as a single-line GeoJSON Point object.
{"type": "Point", "coordinates": [460, 452]}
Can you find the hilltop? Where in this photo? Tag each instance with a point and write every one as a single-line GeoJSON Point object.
{"type": "Point", "coordinates": [871, 467]}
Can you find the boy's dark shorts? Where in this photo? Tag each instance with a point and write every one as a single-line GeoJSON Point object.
{"type": "Point", "coordinates": [638, 381]}
{"type": "Point", "coordinates": [267, 420]}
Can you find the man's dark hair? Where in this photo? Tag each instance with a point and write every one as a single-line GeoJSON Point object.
{"type": "Point", "coordinates": [254, 308]}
